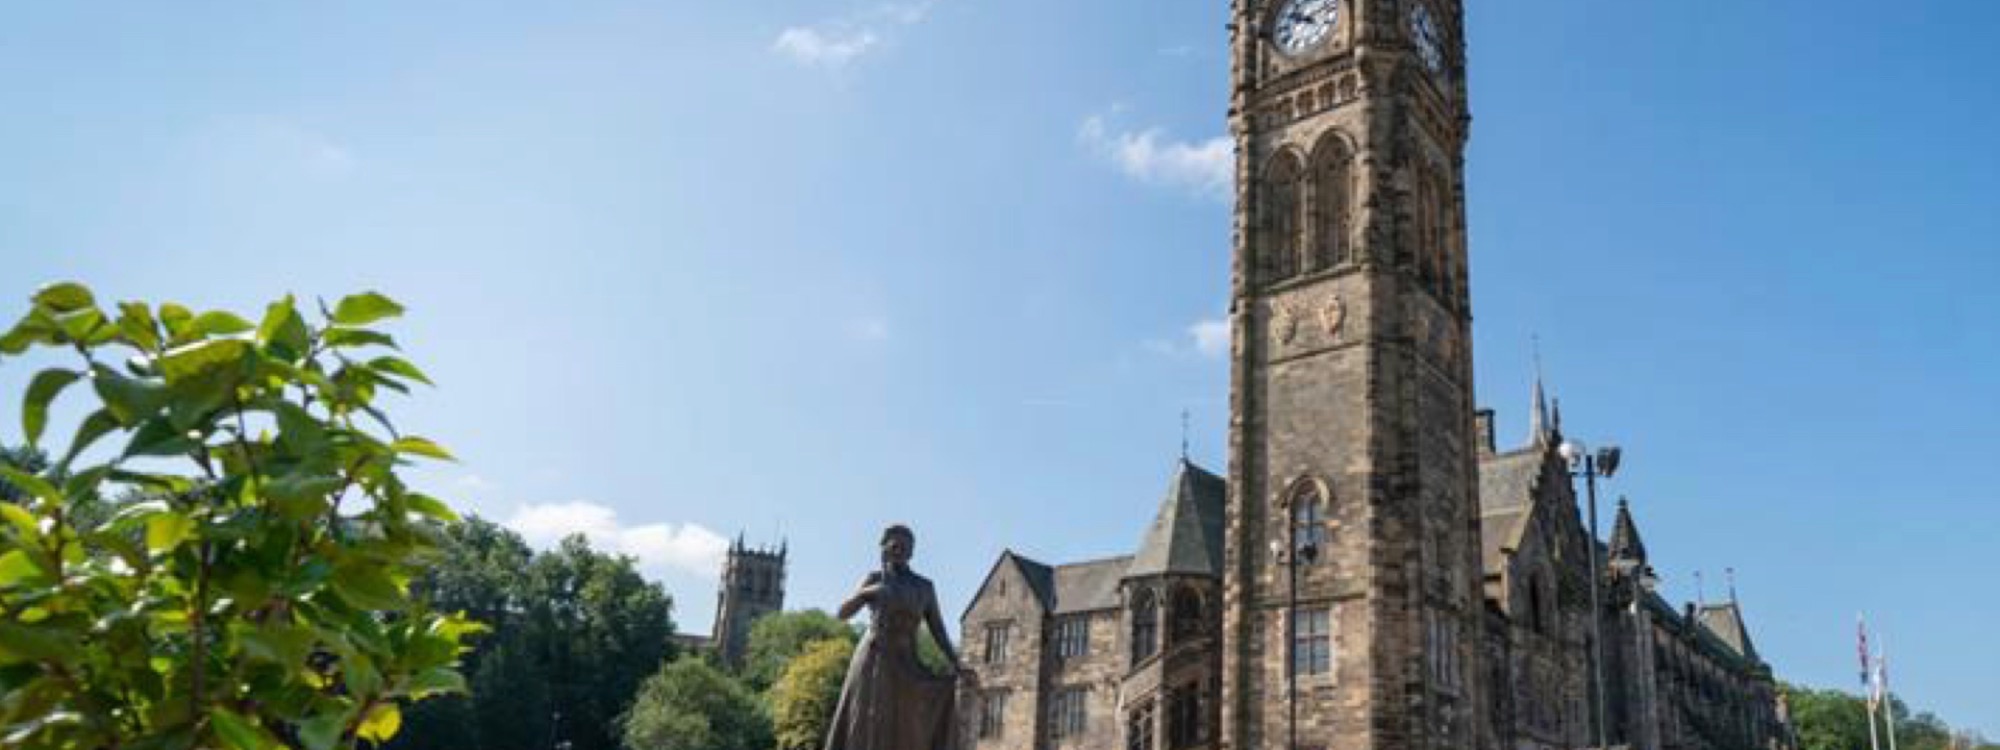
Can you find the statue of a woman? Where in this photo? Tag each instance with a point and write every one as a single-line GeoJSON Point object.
{"type": "Point", "coordinates": [890, 700]}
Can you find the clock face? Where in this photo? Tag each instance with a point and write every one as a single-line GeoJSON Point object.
{"type": "Point", "coordinates": [1424, 32]}
{"type": "Point", "coordinates": [1302, 24]}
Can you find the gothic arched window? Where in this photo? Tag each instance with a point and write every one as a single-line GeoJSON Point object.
{"type": "Point", "coordinates": [1145, 626]}
{"type": "Point", "coordinates": [1424, 238]}
{"type": "Point", "coordinates": [1332, 201]}
{"type": "Point", "coordinates": [1308, 516]}
{"type": "Point", "coordinates": [1189, 619]}
{"type": "Point", "coordinates": [1278, 258]}
{"type": "Point", "coordinates": [1441, 212]}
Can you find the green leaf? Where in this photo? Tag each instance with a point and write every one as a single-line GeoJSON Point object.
{"type": "Point", "coordinates": [30, 484]}
{"type": "Point", "coordinates": [381, 723]}
{"type": "Point", "coordinates": [97, 425]}
{"type": "Point", "coordinates": [238, 732]}
{"type": "Point", "coordinates": [158, 437]}
{"type": "Point", "coordinates": [35, 406]}
{"type": "Point", "coordinates": [86, 326]}
{"type": "Point", "coordinates": [23, 522]}
{"type": "Point", "coordinates": [220, 323]}
{"type": "Point", "coordinates": [135, 320]}
{"type": "Point", "coordinates": [299, 428]}
{"type": "Point", "coordinates": [65, 297]}
{"type": "Point", "coordinates": [284, 645]}
{"type": "Point", "coordinates": [435, 681]}
{"type": "Point", "coordinates": [349, 337]}
{"type": "Point", "coordinates": [35, 642]}
{"type": "Point", "coordinates": [366, 586]}
{"type": "Point", "coordinates": [284, 329]}
{"type": "Point", "coordinates": [431, 506]}
{"type": "Point", "coordinates": [417, 446]}
{"type": "Point", "coordinates": [129, 399]}
{"type": "Point", "coordinates": [179, 323]}
{"type": "Point", "coordinates": [17, 568]}
{"type": "Point", "coordinates": [184, 363]}
{"type": "Point", "coordinates": [399, 367]}
{"type": "Point", "coordinates": [322, 732]}
{"type": "Point", "coordinates": [362, 309]}
{"type": "Point", "coordinates": [166, 531]}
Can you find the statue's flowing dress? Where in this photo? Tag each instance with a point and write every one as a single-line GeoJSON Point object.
{"type": "Point", "coordinates": [891, 701]}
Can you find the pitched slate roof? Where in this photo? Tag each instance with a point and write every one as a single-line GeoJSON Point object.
{"type": "Point", "coordinates": [1506, 497]}
{"type": "Point", "coordinates": [1088, 586]}
{"type": "Point", "coordinates": [1726, 622]}
{"type": "Point", "coordinates": [1186, 536]}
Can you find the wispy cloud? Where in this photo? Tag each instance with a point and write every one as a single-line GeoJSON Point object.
{"type": "Point", "coordinates": [824, 47]}
{"type": "Point", "coordinates": [838, 42]}
{"type": "Point", "coordinates": [1149, 155]}
{"type": "Point", "coordinates": [1207, 338]}
{"type": "Point", "coordinates": [660, 548]}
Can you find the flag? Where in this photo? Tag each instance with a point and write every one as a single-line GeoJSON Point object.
{"type": "Point", "coordinates": [1861, 629]}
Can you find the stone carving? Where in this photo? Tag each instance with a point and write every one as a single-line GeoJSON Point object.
{"type": "Point", "coordinates": [1284, 323]}
{"type": "Point", "coordinates": [1333, 315]}
{"type": "Point", "coordinates": [890, 700]}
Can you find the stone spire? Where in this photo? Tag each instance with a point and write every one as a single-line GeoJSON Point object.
{"type": "Point", "coordinates": [1540, 428]}
{"type": "Point", "coordinates": [1625, 542]}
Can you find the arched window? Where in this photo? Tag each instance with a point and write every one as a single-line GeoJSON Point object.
{"type": "Point", "coordinates": [1424, 237]}
{"type": "Point", "coordinates": [1145, 626]}
{"type": "Point", "coordinates": [1332, 201]}
{"type": "Point", "coordinates": [1189, 619]}
{"type": "Point", "coordinates": [1279, 257]}
{"type": "Point", "coordinates": [1308, 521]}
{"type": "Point", "coordinates": [1441, 211]}
{"type": "Point", "coordinates": [1535, 622]}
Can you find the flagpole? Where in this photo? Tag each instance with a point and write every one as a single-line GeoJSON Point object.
{"type": "Point", "coordinates": [1867, 686]}
{"type": "Point", "coordinates": [1882, 684]}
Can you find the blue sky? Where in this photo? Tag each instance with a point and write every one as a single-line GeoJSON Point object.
{"type": "Point", "coordinates": [804, 268]}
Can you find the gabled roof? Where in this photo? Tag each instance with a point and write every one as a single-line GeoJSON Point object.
{"type": "Point", "coordinates": [1726, 622]}
{"type": "Point", "coordinates": [1625, 542]}
{"type": "Point", "coordinates": [1506, 497]}
{"type": "Point", "coordinates": [1186, 536]}
{"type": "Point", "coordinates": [1088, 586]}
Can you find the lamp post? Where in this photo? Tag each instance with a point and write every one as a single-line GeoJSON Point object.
{"type": "Point", "coordinates": [1291, 554]}
{"type": "Point", "coordinates": [1590, 466]}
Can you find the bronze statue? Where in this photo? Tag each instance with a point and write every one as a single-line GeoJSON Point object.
{"type": "Point", "coordinates": [890, 700]}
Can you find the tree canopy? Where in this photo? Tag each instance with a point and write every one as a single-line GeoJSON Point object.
{"type": "Point", "coordinates": [777, 638]}
{"type": "Point", "coordinates": [803, 700]}
{"type": "Point", "coordinates": [689, 705]}
{"type": "Point", "coordinates": [575, 632]}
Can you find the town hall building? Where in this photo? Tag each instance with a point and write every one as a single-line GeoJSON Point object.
{"type": "Point", "coordinates": [1371, 572]}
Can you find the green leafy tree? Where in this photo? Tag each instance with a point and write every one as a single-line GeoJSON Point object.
{"type": "Point", "coordinates": [257, 597]}
{"type": "Point", "coordinates": [575, 631]}
{"type": "Point", "coordinates": [690, 705]}
{"type": "Point", "coordinates": [775, 639]}
{"type": "Point", "coordinates": [803, 700]}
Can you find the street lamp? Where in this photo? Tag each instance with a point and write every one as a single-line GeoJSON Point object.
{"type": "Point", "coordinates": [1590, 466]}
{"type": "Point", "coordinates": [1291, 554]}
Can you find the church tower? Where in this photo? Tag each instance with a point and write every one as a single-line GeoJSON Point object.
{"type": "Point", "coordinates": [1353, 607]}
{"type": "Point", "coordinates": [753, 585]}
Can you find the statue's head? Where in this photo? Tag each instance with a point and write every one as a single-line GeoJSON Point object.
{"type": "Point", "coordinates": [898, 544]}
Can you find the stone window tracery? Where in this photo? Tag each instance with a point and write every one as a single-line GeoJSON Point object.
{"type": "Point", "coordinates": [1331, 203]}
{"type": "Point", "coordinates": [1145, 626]}
{"type": "Point", "coordinates": [1278, 258]}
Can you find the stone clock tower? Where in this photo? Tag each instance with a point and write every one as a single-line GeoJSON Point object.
{"type": "Point", "coordinates": [1352, 584]}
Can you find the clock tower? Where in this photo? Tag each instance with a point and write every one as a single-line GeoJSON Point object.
{"type": "Point", "coordinates": [1352, 582]}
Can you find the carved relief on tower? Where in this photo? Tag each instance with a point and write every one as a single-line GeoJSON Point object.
{"type": "Point", "coordinates": [1302, 101]}
{"type": "Point", "coordinates": [1303, 321]}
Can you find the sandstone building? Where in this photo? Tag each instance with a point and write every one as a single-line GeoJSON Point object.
{"type": "Point", "coordinates": [1371, 573]}
{"type": "Point", "coordinates": [753, 585]}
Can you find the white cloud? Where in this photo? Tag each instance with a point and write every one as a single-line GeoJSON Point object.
{"type": "Point", "coordinates": [1207, 338]}
{"type": "Point", "coordinates": [835, 44]}
{"type": "Point", "coordinates": [659, 547]}
{"type": "Point", "coordinates": [824, 47]}
{"type": "Point", "coordinates": [1211, 336]}
{"type": "Point", "coordinates": [1206, 167]}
